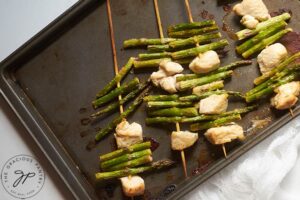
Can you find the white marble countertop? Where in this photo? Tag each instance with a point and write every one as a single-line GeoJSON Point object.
{"type": "Point", "coordinates": [19, 21]}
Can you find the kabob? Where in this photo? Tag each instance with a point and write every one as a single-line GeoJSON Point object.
{"type": "Point", "coordinates": [187, 4]}
{"type": "Point", "coordinates": [178, 132]}
{"type": "Point", "coordinates": [279, 69]}
{"type": "Point", "coordinates": [133, 154]}
{"type": "Point", "coordinates": [132, 186]}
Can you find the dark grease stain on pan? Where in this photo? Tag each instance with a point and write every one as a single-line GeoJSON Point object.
{"type": "Point", "coordinates": [66, 75]}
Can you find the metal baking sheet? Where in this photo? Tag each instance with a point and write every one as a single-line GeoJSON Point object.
{"type": "Point", "coordinates": [51, 80]}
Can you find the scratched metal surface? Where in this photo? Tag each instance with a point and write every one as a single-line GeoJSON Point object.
{"type": "Point", "coordinates": [61, 78]}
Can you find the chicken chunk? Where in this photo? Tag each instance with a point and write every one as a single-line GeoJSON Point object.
{"type": "Point", "coordinates": [181, 140]}
{"type": "Point", "coordinates": [287, 95]}
{"type": "Point", "coordinates": [199, 90]}
{"type": "Point", "coordinates": [205, 62]}
{"type": "Point", "coordinates": [165, 77]}
{"type": "Point", "coordinates": [128, 134]}
{"type": "Point", "coordinates": [170, 68]}
{"type": "Point", "coordinates": [271, 56]}
{"type": "Point", "coordinates": [214, 104]}
{"type": "Point", "coordinates": [249, 21]}
{"type": "Point", "coordinates": [169, 84]}
{"type": "Point", "coordinates": [224, 134]}
{"type": "Point", "coordinates": [157, 76]}
{"type": "Point", "coordinates": [255, 8]}
{"type": "Point", "coordinates": [282, 102]}
{"type": "Point", "coordinates": [133, 186]}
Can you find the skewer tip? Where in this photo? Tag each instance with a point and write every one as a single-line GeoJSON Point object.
{"type": "Point", "coordinates": [224, 150]}
{"type": "Point", "coordinates": [291, 112]}
{"type": "Point", "coordinates": [184, 163]}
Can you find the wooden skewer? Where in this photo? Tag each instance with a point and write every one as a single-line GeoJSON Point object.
{"type": "Point", "coordinates": [161, 34]}
{"type": "Point", "coordinates": [113, 44]}
{"type": "Point", "coordinates": [188, 9]}
{"type": "Point", "coordinates": [224, 150]}
{"type": "Point", "coordinates": [182, 153]}
{"type": "Point", "coordinates": [291, 112]}
{"type": "Point", "coordinates": [189, 12]}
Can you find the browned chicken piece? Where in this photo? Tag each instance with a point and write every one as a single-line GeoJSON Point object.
{"type": "Point", "coordinates": [165, 77]}
{"type": "Point", "coordinates": [224, 134]}
{"type": "Point", "coordinates": [181, 140]}
{"type": "Point", "coordinates": [128, 134]}
{"type": "Point", "coordinates": [157, 76]}
{"type": "Point", "coordinates": [205, 62]}
{"type": "Point", "coordinates": [133, 186]}
{"type": "Point", "coordinates": [170, 68]}
{"type": "Point", "coordinates": [287, 95]}
{"type": "Point", "coordinates": [271, 56]}
{"type": "Point", "coordinates": [255, 8]}
{"type": "Point", "coordinates": [214, 104]}
{"type": "Point", "coordinates": [249, 21]}
{"type": "Point", "coordinates": [169, 84]}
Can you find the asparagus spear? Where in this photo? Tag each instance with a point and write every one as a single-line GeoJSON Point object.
{"type": "Point", "coordinates": [189, 84]}
{"type": "Point", "coordinates": [277, 76]}
{"type": "Point", "coordinates": [159, 120]}
{"type": "Point", "coordinates": [124, 158]}
{"type": "Point", "coordinates": [279, 68]}
{"type": "Point", "coordinates": [103, 132]}
{"type": "Point", "coordinates": [158, 48]}
{"type": "Point", "coordinates": [184, 61]}
{"type": "Point", "coordinates": [144, 42]}
{"type": "Point", "coordinates": [125, 88]}
{"type": "Point", "coordinates": [215, 117]}
{"type": "Point", "coordinates": [150, 56]}
{"type": "Point", "coordinates": [171, 97]}
{"type": "Point", "coordinates": [200, 39]}
{"type": "Point", "coordinates": [130, 149]}
{"type": "Point", "coordinates": [167, 104]}
{"type": "Point", "coordinates": [265, 42]}
{"type": "Point", "coordinates": [270, 81]}
{"type": "Point", "coordinates": [115, 106]}
{"type": "Point", "coordinates": [239, 110]}
{"type": "Point", "coordinates": [230, 66]}
{"type": "Point", "coordinates": [217, 122]}
{"type": "Point", "coordinates": [192, 32]}
{"type": "Point", "coordinates": [174, 112]}
{"type": "Point", "coordinates": [131, 163]}
{"type": "Point", "coordinates": [262, 26]}
{"type": "Point", "coordinates": [201, 49]}
{"type": "Point", "coordinates": [148, 63]}
{"type": "Point", "coordinates": [183, 43]}
{"type": "Point", "coordinates": [269, 90]}
{"type": "Point", "coordinates": [132, 171]}
{"type": "Point", "coordinates": [190, 98]}
{"type": "Point", "coordinates": [199, 90]}
{"type": "Point", "coordinates": [192, 25]}
{"type": "Point", "coordinates": [260, 36]}
{"type": "Point", "coordinates": [122, 73]}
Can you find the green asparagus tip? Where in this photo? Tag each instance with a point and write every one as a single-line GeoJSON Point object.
{"type": "Point", "coordinates": [163, 163]}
